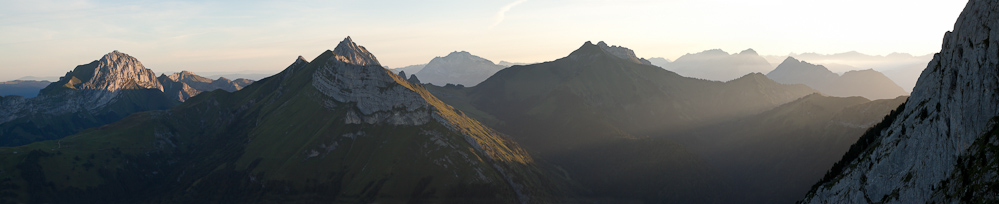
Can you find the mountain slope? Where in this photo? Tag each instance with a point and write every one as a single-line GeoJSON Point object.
{"type": "Point", "coordinates": [339, 129]}
{"type": "Point", "coordinates": [866, 83]}
{"type": "Point", "coordinates": [608, 121]}
{"type": "Point", "coordinates": [91, 95]}
{"type": "Point", "coordinates": [458, 68]}
{"type": "Point", "coordinates": [718, 65]}
{"type": "Point", "coordinates": [918, 154]}
{"type": "Point", "coordinates": [775, 156]}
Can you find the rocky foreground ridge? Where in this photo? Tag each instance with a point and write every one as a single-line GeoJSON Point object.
{"type": "Point", "coordinates": [919, 153]}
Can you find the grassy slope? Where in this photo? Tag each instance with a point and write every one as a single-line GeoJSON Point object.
{"type": "Point", "coordinates": [272, 142]}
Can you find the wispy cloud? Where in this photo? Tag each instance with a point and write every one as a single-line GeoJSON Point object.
{"type": "Point", "coordinates": [501, 14]}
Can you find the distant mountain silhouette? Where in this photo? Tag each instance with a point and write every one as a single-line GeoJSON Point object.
{"type": "Point", "coordinates": [718, 65]}
{"type": "Point", "coordinates": [458, 68]}
{"type": "Point", "coordinates": [902, 68]}
{"type": "Point", "coordinates": [866, 83]}
{"type": "Point", "coordinates": [660, 62]}
{"type": "Point", "coordinates": [412, 69]}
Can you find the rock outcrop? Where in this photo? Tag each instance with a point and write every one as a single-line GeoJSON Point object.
{"type": "Point", "coordinates": [913, 155]}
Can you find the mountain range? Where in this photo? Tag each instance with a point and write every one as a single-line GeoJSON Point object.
{"type": "Point", "coordinates": [627, 131]}
{"type": "Point", "coordinates": [360, 134]}
{"type": "Point", "coordinates": [95, 94]}
{"type": "Point", "coordinates": [719, 65]}
{"type": "Point", "coordinates": [866, 83]}
{"type": "Point", "coordinates": [902, 68]}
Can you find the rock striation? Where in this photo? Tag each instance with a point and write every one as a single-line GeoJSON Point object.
{"type": "Point", "coordinates": [913, 155]}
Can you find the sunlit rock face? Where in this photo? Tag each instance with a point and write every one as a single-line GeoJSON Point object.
{"type": "Point", "coordinates": [354, 77]}
{"type": "Point", "coordinates": [951, 106]}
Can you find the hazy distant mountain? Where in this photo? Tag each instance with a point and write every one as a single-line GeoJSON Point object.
{"type": "Point", "coordinates": [25, 88]}
{"type": "Point", "coordinates": [902, 68]}
{"type": "Point", "coordinates": [940, 146]}
{"type": "Point", "coordinates": [775, 156]}
{"type": "Point", "coordinates": [412, 69]}
{"type": "Point", "coordinates": [660, 62]}
{"type": "Point", "coordinates": [34, 78]}
{"type": "Point", "coordinates": [457, 68]}
{"type": "Point", "coordinates": [866, 83]}
{"type": "Point", "coordinates": [718, 65]}
{"type": "Point", "coordinates": [510, 64]}
{"type": "Point", "coordinates": [340, 129]}
{"type": "Point", "coordinates": [91, 95]}
{"type": "Point", "coordinates": [605, 120]}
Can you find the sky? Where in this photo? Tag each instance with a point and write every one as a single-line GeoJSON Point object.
{"type": "Point", "coordinates": [48, 38]}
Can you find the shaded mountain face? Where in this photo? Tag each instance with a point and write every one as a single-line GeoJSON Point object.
{"type": "Point", "coordinates": [609, 121]}
{"type": "Point", "coordinates": [24, 88]}
{"type": "Point", "coordinates": [719, 65]}
{"type": "Point", "coordinates": [866, 83]}
{"type": "Point", "coordinates": [91, 95]}
{"type": "Point", "coordinates": [939, 145]}
{"type": "Point", "coordinates": [775, 156]}
{"type": "Point", "coordinates": [338, 129]}
{"type": "Point", "coordinates": [186, 84]}
{"type": "Point", "coordinates": [458, 68]}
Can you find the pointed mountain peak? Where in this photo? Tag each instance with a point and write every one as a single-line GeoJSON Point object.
{"type": "Point", "coordinates": [301, 59]}
{"type": "Point", "coordinates": [749, 51]}
{"type": "Point", "coordinates": [355, 54]}
{"type": "Point", "coordinates": [602, 44]}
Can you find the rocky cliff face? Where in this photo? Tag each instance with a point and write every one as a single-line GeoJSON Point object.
{"type": "Point", "coordinates": [951, 107]}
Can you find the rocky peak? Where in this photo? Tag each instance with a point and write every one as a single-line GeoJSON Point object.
{"type": "Point", "coordinates": [622, 52]}
{"type": "Point", "coordinates": [114, 71]}
{"type": "Point", "coordinates": [377, 94]}
{"type": "Point", "coordinates": [354, 54]}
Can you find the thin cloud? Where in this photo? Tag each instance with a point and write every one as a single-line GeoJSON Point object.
{"type": "Point", "coordinates": [501, 14]}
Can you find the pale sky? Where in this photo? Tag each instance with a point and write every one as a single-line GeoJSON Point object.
{"type": "Point", "coordinates": [49, 38]}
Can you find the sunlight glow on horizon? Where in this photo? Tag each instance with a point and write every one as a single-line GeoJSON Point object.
{"type": "Point", "coordinates": [49, 38]}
